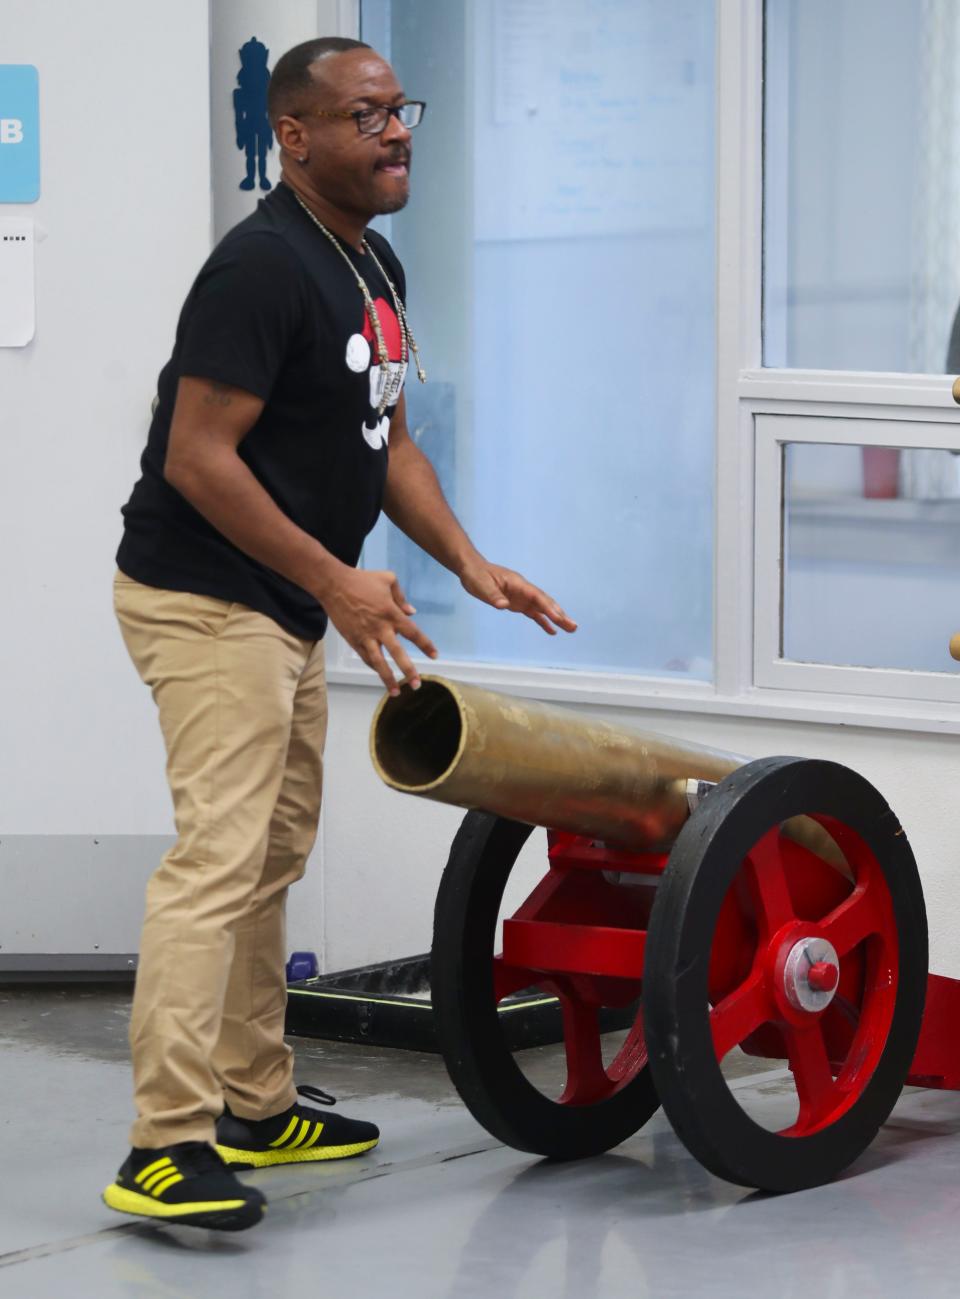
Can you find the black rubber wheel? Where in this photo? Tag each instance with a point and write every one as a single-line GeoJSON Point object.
{"type": "Point", "coordinates": [483, 1070]}
{"type": "Point", "coordinates": [847, 1099]}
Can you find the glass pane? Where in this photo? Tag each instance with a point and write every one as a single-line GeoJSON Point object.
{"type": "Point", "coordinates": [871, 538]}
{"type": "Point", "coordinates": [559, 251]}
{"type": "Point", "coordinates": [862, 188]}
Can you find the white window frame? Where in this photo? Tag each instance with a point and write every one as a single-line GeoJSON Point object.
{"type": "Point", "coordinates": [749, 679]}
{"type": "Point", "coordinates": [845, 426]}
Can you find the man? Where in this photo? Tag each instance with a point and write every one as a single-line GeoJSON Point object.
{"type": "Point", "coordinates": [266, 466]}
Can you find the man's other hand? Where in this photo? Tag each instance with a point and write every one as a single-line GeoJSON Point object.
{"type": "Point", "coordinates": [505, 589]}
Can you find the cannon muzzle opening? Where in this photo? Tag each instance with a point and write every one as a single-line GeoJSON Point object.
{"type": "Point", "coordinates": [418, 737]}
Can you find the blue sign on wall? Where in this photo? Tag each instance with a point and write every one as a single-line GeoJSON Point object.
{"type": "Point", "coordinates": [19, 133]}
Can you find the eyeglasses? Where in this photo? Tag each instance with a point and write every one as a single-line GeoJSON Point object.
{"type": "Point", "coordinates": [373, 121]}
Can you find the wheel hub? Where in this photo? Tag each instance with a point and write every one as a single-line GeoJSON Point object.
{"type": "Point", "coordinates": [811, 974]}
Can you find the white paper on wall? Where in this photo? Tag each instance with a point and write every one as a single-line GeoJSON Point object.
{"type": "Point", "coordinates": [17, 287]}
{"type": "Point", "coordinates": [593, 118]}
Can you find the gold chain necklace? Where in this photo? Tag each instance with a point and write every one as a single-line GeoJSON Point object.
{"type": "Point", "coordinates": [408, 343]}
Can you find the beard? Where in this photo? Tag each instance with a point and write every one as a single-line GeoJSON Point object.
{"type": "Point", "coordinates": [388, 206]}
{"type": "Point", "coordinates": [396, 195]}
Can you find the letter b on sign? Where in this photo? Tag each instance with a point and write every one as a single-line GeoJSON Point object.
{"type": "Point", "coordinates": [19, 133]}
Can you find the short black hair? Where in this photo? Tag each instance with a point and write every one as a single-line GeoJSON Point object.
{"type": "Point", "coordinates": [291, 76]}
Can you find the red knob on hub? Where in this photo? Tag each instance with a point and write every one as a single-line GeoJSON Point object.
{"type": "Point", "coordinates": [823, 977]}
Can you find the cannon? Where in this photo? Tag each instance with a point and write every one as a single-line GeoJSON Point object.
{"type": "Point", "coordinates": [771, 905]}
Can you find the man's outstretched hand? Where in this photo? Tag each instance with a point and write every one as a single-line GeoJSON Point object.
{"type": "Point", "coordinates": [505, 589]}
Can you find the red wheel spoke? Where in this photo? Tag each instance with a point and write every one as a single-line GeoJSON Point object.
{"type": "Point", "coordinates": [811, 1072]}
{"type": "Point", "coordinates": [859, 858]}
{"type": "Point", "coordinates": [587, 1080]}
{"type": "Point", "coordinates": [740, 1014]}
{"type": "Point", "coordinates": [854, 920]}
{"type": "Point", "coordinates": [767, 884]}
{"type": "Point", "coordinates": [632, 1056]}
{"type": "Point", "coordinates": [508, 979]}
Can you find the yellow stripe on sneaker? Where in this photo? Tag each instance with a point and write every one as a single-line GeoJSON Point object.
{"type": "Point", "coordinates": [172, 1180]}
{"type": "Point", "coordinates": [150, 1182]}
{"type": "Point", "coordinates": [318, 1128]}
{"type": "Point", "coordinates": [301, 1135]}
{"type": "Point", "coordinates": [144, 1173]}
{"type": "Point", "coordinates": [287, 1131]}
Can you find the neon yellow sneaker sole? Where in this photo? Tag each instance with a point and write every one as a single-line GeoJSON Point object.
{"type": "Point", "coordinates": [273, 1158]}
{"type": "Point", "coordinates": [221, 1215]}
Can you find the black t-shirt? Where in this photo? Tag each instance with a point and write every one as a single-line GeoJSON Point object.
{"type": "Point", "coordinates": [276, 311]}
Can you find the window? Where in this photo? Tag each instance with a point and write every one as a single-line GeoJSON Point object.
{"type": "Point", "coordinates": [871, 538]}
{"type": "Point", "coordinates": [857, 533]}
{"type": "Point", "coordinates": [559, 250]}
{"type": "Point", "coordinates": [862, 188]}
{"type": "Point", "coordinates": [857, 491]}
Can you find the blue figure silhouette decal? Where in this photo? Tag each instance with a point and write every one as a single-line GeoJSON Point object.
{"type": "Point", "coordinates": [254, 133]}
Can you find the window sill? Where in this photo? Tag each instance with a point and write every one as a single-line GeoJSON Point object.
{"type": "Point", "coordinates": [925, 392]}
{"type": "Point", "coordinates": [668, 696]}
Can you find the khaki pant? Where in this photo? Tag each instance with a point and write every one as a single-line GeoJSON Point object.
{"type": "Point", "coordinates": [243, 711]}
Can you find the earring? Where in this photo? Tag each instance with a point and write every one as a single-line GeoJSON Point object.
{"type": "Point", "coordinates": [302, 160]}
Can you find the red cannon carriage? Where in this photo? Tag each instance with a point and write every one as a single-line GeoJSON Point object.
{"type": "Point", "coordinates": [772, 905]}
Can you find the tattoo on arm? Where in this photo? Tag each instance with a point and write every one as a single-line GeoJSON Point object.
{"type": "Point", "coordinates": [217, 394]}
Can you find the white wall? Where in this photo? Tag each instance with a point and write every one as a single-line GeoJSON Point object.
{"type": "Point", "coordinates": [125, 210]}
{"type": "Point", "coordinates": [125, 207]}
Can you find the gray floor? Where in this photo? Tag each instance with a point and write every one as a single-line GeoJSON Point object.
{"type": "Point", "coordinates": [440, 1209]}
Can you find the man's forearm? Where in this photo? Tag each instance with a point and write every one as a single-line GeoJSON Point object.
{"type": "Point", "coordinates": [224, 490]}
{"type": "Point", "coordinates": [415, 502]}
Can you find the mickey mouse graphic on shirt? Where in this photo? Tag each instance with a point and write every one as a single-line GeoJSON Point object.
{"type": "Point", "coordinates": [385, 381]}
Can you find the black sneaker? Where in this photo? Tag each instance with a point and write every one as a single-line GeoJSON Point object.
{"type": "Point", "coordinates": [187, 1183]}
{"type": "Point", "coordinates": [297, 1136]}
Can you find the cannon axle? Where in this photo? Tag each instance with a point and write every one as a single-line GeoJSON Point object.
{"type": "Point", "coordinates": [811, 974]}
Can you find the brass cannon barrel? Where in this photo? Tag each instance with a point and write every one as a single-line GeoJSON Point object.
{"type": "Point", "coordinates": [550, 766]}
{"type": "Point", "coordinates": [545, 765]}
